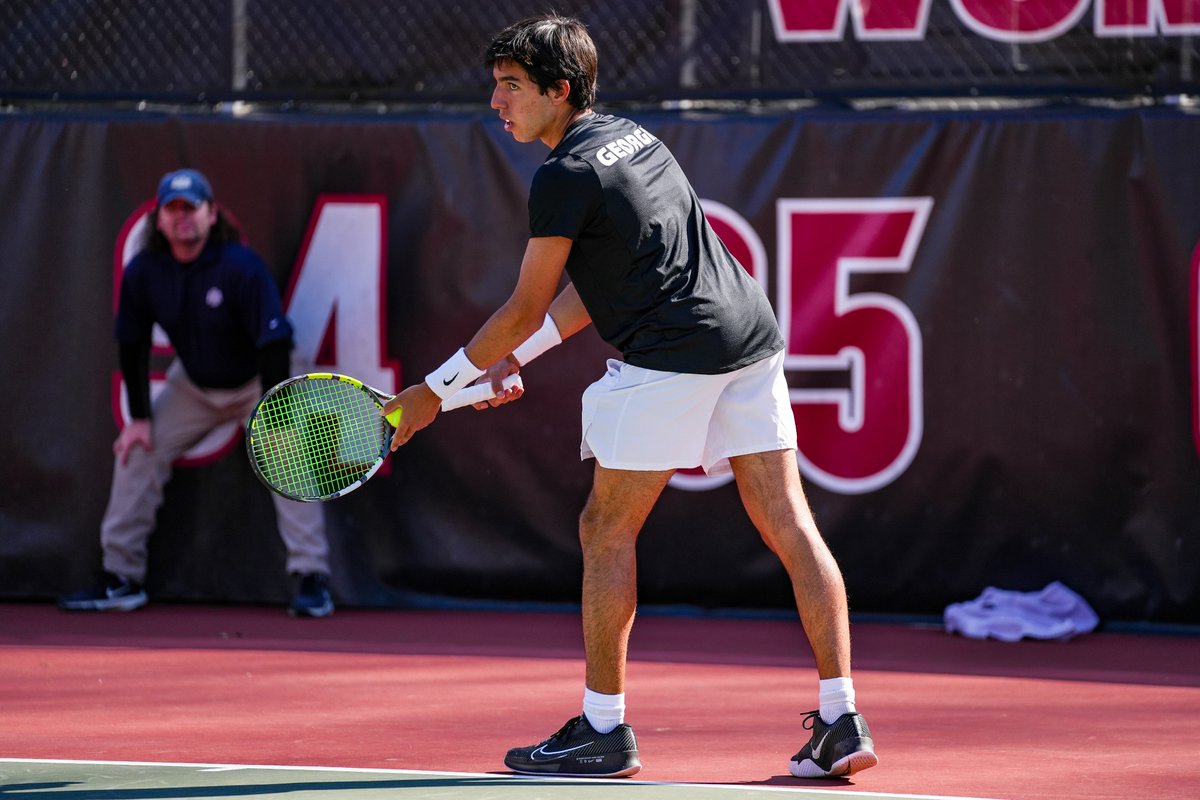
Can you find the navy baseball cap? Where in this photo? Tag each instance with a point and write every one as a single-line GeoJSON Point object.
{"type": "Point", "coordinates": [184, 184]}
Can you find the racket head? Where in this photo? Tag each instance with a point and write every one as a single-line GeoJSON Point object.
{"type": "Point", "coordinates": [318, 436]}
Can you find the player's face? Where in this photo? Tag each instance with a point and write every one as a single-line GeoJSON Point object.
{"type": "Point", "coordinates": [527, 112]}
{"type": "Point", "coordinates": [186, 225]}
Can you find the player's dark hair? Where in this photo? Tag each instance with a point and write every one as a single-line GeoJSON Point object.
{"type": "Point", "coordinates": [550, 49]}
{"type": "Point", "coordinates": [222, 231]}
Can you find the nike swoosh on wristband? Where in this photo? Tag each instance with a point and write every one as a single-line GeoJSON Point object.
{"type": "Point", "coordinates": [816, 751]}
{"type": "Point", "coordinates": [450, 381]}
{"type": "Point", "coordinates": [555, 753]}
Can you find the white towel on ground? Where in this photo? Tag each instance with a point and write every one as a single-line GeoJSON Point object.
{"type": "Point", "coordinates": [1055, 612]}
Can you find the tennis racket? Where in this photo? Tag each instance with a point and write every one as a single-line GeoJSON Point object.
{"type": "Point", "coordinates": [319, 436]}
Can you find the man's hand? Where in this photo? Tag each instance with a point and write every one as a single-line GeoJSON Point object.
{"type": "Point", "coordinates": [136, 434]}
{"type": "Point", "coordinates": [420, 406]}
{"type": "Point", "coordinates": [495, 374]}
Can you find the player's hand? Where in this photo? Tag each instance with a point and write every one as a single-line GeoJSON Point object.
{"type": "Point", "coordinates": [136, 434]}
{"type": "Point", "coordinates": [420, 406]}
{"type": "Point", "coordinates": [495, 374]}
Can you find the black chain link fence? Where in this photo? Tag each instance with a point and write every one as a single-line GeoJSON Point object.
{"type": "Point", "coordinates": [429, 52]}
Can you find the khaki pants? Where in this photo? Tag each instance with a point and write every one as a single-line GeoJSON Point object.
{"type": "Point", "coordinates": [183, 415]}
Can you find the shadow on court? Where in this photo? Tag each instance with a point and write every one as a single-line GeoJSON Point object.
{"type": "Point", "coordinates": [63, 780]}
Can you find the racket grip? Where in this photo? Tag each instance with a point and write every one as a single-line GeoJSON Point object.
{"type": "Point", "coordinates": [477, 393]}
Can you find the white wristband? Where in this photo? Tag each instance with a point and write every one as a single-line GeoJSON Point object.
{"type": "Point", "coordinates": [542, 340]}
{"type": "Point", "coordinates": [457, 372]}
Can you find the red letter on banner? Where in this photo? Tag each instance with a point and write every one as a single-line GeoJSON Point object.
{"type": "Point", "coordinates": [336, 299]}
{"type": "Point", "coordinates": [825, 20]}
{"type": "Point", "coordinates": [861, 434]}
{"type": "Point", "coordinates": [1020, 20]}
{"type": "Point", "coordinates": [1146, 17]}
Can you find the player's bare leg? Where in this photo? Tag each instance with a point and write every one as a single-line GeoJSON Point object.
{"type": "Point", "coordinates": [616, 509]}
{"type": "Point", "coordinates": [770, 487]}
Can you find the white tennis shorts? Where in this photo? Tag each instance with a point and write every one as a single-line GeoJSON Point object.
{"type": "Point", "coordinates": [644, 419]}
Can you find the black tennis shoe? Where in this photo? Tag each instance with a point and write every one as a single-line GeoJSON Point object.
{"type": "Point", "coordinates": [114, 593]}
{"type": "Point", "coordinates": [836, 750]}
{"type": "Point", "coordinates": [312, 598]}
{"type": "Point", "coordinates": [577, 751]}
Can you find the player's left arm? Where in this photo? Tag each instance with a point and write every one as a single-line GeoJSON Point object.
{"type": "Point", "coordinates": [568, 312]}
{"type": "Point", "coordinates": [567, 316]}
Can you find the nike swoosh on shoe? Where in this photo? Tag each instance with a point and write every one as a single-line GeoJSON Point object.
{"type": "Point", "coordinates": [556, 753]}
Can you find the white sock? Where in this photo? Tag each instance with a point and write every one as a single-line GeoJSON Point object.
{"type": "Point", "coordinates": [603, 711]}
{"type": "Point", "coordinates": [837, 698]}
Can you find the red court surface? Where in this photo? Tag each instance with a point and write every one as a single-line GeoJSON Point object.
{"type": "Point", "coordinates": [713, 700]}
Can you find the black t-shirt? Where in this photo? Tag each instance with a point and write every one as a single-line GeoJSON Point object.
{"type": "Point", "coordinates": [217, 311]}
{"type": "Point", "coordinates": [656, 279]}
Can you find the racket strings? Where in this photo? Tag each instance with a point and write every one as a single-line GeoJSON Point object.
{"type": "Point", "coordinates": [315, 438]}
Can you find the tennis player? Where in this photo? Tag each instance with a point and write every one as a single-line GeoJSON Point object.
{"type": "Point", "coordinates": [700, 383]}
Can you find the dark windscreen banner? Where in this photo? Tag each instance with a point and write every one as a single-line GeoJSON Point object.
{"type": "Point", "coordinates": [991, 354]}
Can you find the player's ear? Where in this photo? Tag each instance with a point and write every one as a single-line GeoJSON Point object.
{"type": "Point", "coordinates": [561, 90]}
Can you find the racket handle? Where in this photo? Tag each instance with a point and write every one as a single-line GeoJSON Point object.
{"type": "Point", "coordinates": [478, 393]}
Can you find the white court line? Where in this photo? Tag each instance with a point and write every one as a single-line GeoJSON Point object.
{"type": "Point", "coordinates": [490, 775]}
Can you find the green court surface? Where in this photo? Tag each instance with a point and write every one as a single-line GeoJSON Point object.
{"type": "Point", "coordinates": [114, 780]}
